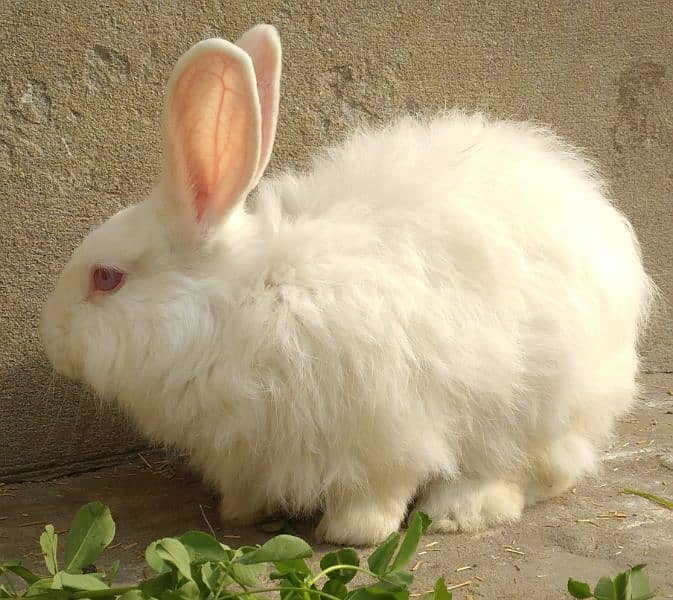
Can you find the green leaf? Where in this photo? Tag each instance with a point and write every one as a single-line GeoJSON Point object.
{"type": "Point", "coordinates": [187, 591]}
{"type": "Point", "coordinates": [154, 560]}
{"type": "Point", "coordinates": [298, 566]}
{"type": "Point", "coordinates": [81, 582]}
{"type": "Point", "coordinates": [377, 592]}
{"type": "Point", "coordinates": [197, 578]}
{"type": "Point", "coordinates": [56, 583]}
{"type": "Point", "coordinates": [112, 573]}
{"type": "Point", "coordinates": [215, 576]}
{"type": "Point", "coordinates": [247, 575]}
{"type": "Point", "coordinates": [362, 594]}
{"type": "Point", "coordinates": [15, 567]}
{"type": "Point", "coordinates": [440, 592]}
{"type": "Point", "coordinates": [132, 595]}
{"type": "Point", "coordinates": [286, 594]}
{"type": "Point", "coordinates": [200, 545]}
{"type": "Point", "coordinates": [153, 588]}
{"type": "Point", "coordinates": [274, 526]}
{"type": "Point", "coordinates": [206, 575]}
{"type": "Point", "coordinates": [49, 543]}
{"type": "Point", "coordinates": [605, 589]}
{"type": "Point", "coordinates": [3, 592]}
{"type": "Point", "coordinates": [579, 589]}
{"type": "Point", "coordinates": [173, 552]}
{"type": "Point", "coordinates": [623, 586]}
{"type": "Point", "coordinates": [418, 525]}
{"type": "Point", "coordinates": [52, 594]}
{"type": "Point", "coordinates": [90, 533]}
{"type": "Point", "coordinates": [380, 559]}
{"type": "Point", "coordinates": [40, 586]}
{"type": "Point", "coordinates": [398, 579]}
{"type": "Point", "coordinates": [279, 548]}
{"type": "Point", "coordinates": [335, 587]}
{"type": "Point", "coordinates": [344, 556]}
{"type": "Point", "coordinates": [640, 584]}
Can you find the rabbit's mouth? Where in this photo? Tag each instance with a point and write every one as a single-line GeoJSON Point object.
{"type": "Point", "coordinates": [54, 339]}
{"type": "Point", "coordinates": [58, 355]}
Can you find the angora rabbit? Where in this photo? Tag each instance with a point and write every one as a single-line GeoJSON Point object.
{"type": "Point", "coordinates": [440, 310]}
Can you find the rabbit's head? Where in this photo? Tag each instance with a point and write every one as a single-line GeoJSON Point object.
{"type": "Point", "coordinates": [135, 295]}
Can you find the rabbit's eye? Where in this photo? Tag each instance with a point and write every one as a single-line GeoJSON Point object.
{"type": "Point", "coordinates": [106, 279]}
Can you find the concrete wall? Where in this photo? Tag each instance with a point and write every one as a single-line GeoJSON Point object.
{"type": "Point", "coordinates": [80, 92]}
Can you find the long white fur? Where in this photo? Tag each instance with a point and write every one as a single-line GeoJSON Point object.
{"type": "Point", "coordinates": [447, 309]}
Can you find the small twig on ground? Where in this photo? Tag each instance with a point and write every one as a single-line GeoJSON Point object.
{"type": "Point", "coordinates": [141, 457]}
{"type": "Point", "coordinates": [465, 568]}
{"type": "Point", "coordinates": [203, 514]}
{"type": "Point", "coordinates": [459, 585]}
{"type": "Point", "coordinates": [587, 521]}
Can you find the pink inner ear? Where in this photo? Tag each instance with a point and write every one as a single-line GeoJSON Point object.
{"type": "Point", "coordinates": [214, 129]}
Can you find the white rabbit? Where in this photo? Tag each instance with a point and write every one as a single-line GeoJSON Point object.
{"type": "Point", "coordinates": [443, 310]}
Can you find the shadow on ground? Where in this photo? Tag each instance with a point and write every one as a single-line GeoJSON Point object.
{"type": "Point", "coordinates": [60, 427]}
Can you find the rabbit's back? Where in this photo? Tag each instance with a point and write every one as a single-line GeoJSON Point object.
{"type": "Point", "coordinates": [496, 209]}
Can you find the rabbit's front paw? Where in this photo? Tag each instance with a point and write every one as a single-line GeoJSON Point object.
{"type": "Point", "coordinates": [358, 526]}
{"type": "Point", "coordinates": [365, 517]}
{"type": "Point", "coordinates": [239, 515]}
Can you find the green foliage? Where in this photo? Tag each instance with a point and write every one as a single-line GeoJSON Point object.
{"type": "Point", "coordinates": [632, 584]}
{"type": "Point", "coordinates": [49, 543]}
{"type": "Point", "coordinates": [196, 566]}
{"type": "Point", "coordinates": [90, 533]}
{"type": "Point", "coordinates": [440, 592]}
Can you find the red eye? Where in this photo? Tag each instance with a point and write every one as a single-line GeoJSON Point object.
{"type": "Point", "coordinates": [106, 279]}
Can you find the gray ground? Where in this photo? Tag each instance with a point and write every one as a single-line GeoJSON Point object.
{"type": "Point", "coordinates": [592, 531]}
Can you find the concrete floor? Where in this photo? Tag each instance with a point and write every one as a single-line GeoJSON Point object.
{"type": "Point", "coordinates": [592, 531]}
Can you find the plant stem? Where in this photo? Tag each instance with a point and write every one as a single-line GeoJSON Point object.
{"type": "Point", "coordinates": [10, 584]}
{"type": "Point", "coordinates": [337, 568]}
{"type": "Point", "coordinates": [87, 593]}
{"type": "Point", "coordinates": [292, 589]}
{"type": "Point", "coordinates": [657, 499]}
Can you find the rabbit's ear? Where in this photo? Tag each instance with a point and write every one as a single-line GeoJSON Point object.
{"type": "Point", "coordinates": [263, 45]}
{"type": "Point", "coordinates": [212, 132]}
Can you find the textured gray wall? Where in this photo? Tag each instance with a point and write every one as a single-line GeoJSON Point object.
{"type": "Point", "coordinates": [80, 92]}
